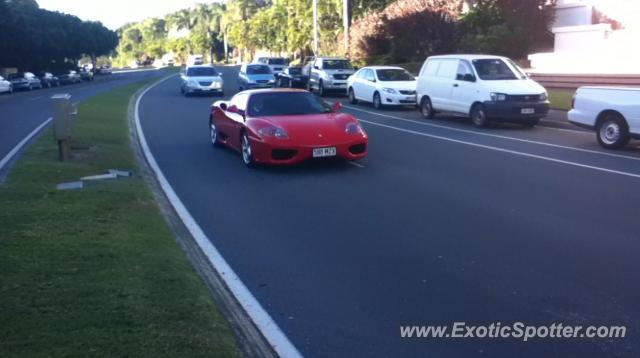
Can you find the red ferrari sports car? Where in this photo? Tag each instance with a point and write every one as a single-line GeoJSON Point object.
{"type": "Point", "coordinates": [285, 126]}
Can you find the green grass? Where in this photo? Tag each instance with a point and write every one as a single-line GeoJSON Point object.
{"type": "Point", "coordinates": [561, 98]}
{"type": "Point", "coordinates": [97, 272]}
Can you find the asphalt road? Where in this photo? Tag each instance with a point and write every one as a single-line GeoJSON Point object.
{"type": "Point", "coordinates": [441, 223]}
{"type": "Point", "coordinates": [22, 112]}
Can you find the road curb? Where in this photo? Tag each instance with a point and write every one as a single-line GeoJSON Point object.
{"type": "Point", "coordinates": [258, 335]}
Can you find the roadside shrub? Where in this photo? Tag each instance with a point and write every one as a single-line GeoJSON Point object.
{"type": "Point", "coordinates": [407, 30]}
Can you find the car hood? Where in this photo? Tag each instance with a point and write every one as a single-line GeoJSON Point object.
{"type": "Point", "coordinates": [335, 72]}
{"type": "Point", "coordinates": [515, 87]}
{"type": "Point", "coordinates": [268, 76]}
{"type": "Point", "coordinates": [399, 85]}
{"type": "Point", "coordinates": [315, 129]}
{"type": "Point", "coordinates": [205, 78]}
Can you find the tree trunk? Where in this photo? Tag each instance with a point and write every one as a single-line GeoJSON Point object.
{"type": "Point", "coordinates": [226, 48]}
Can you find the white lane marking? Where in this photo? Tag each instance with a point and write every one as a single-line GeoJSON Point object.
{"type": "Point", "coordinates": [501, 136]}
{"type": "Point", "coordinates": [260, 317]}
{"type": "Point", "coordinates": [36, 98]}
{"type": "Point", "coordinates": [633, 175]}
{"type": "Point", "coordinates": [356, 164]}
{"type": "Point", "coordinates": [26, 139]}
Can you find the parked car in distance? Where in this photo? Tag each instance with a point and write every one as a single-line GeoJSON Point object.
{"type": "Point", "coordinates": [105, 70]}
{"type": "Point", "coordinates": [49, 80]}
{"type": "Point", "coordinates": [255, 75]}
{"type": "Point", "coordinates": [292, 77]}
{"type": "Point", "coordinates": [201, 79]}
{"type": "Point", "coordinates": [5, 86]}
{"type": "Point", "coordinates": [329, 74]}
{"type": "Point", "coordinates": [85, 74]}
{"type": "Point", "coordinates": [24, 81]}
{"type": "Point", "coordinates": [613, 112]}
{"type": "Point", "coordinates": [483, 87]}
{"type": "Point", "coordinates": [285, 126]}
{"type": "Point", "coordinates": [69, 77]}
{"type": "Point", "coordinates": [277, 64]}
{"type": "Point", "coordinates": [382, 86]}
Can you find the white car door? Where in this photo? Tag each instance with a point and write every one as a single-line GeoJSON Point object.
{"type": "Point", "coordinates": [443, 83]}
{"type": "Point", "coordinates": [356, 82]}
{"type": "Point", "coordinates": [369, 85]}
{"type": "Point", "coordinates": [463, 93]}
{"type": "Point", "coordinates": [4, 85]}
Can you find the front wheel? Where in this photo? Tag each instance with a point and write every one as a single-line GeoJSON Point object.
{"type": "Point", "coordinates": [213, 134]}
{"type": "Point", "coordinates": [426, 108]}
{"type": "Point", "coordinates": [247, 155]}
{"type": "Point", "coordinates": [478, 116]}
{"type": "Point", "coordinates": [613, 132]}
{"type": "Point", "coordinates": [352, 97]}
{"type": "Point", "coordinates": [377, 101]}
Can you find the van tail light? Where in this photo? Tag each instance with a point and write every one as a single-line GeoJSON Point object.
{"type": "Point", "coordinates": [573, 101]}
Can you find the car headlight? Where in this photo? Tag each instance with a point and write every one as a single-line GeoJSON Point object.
{"type": "Point", "coordinates": [544, 96]}
{"type": "Point", "coordinates": [216, 84]}
{"type": "Point", "coordinates": [272, 80]}
{"type": "Point", "coordinates": [389, 90]}
{"type": "Point", "coordinates": [273, 132]}
{"type": "Point", "coordinates": [498, 96]}
{"type": "Point", "coordinates": [353, 128]}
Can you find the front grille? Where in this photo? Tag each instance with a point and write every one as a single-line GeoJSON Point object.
{"type": "Point", "coordinates": [262, 81]}
{"type": "Point", "coordinates": [341, 76]}
{"type": "Point", "coordinates": [407, 101]}
{"type": "Point", "coordinates": [524, 98]}
{"type": "Point", "coordinates": [283, 154]}
{"type": "Point", "coordinates": [205, 84]}
{"type": "Point", "coordinates": [408, 93]}
{"type": "Point", "coordinates": [358, 148]}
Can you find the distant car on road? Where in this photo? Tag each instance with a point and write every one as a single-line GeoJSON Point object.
{"type": "Point", "coordinates": [483, 87]}
{"type": "Point", "coordinates": [69, 77]}
{"type": "Point", "coordinates": [85, 74]}
{"type": "Point", "coordinates": [276, 64]}
{"type": "Point", "coordinates": [24, 81]}
{"type": "Point", "coordinates": [255, 75]}
{"type": "Point", "coordinates": [201, 79]}
{"type": "Point", "coordinates": [49, 80]}
{"type": "Point", "coordinates": [292, 77]}
{"type": "Point", "coordinates": [329, 74]}
{"type": "Point", "coordinates": [382, 86]}
{"type": "Point", "coordinates": [194, 60]}
{"type": "Point", "coordinates": [285, 126]}
{"type": "Point", "coordinates": [613, 112]}
{"type": "Point", "coordinates": [105, 70]}
{"type": "Point", "coordinates": [5, 86]}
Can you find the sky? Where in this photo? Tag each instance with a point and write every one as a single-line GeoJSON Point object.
{"type": "Point", "coordinates": [115, 13]}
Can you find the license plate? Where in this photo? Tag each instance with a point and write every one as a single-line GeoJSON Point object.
{"type": "Point", "coordinates": [412, 98]}
{"type": "Point", "coordinates": [528, 111]}
{"type": "Point", "coordinates": [324, 152]}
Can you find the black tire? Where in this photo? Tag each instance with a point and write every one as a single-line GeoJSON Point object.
{"type": "Point", "coordinates": [352, 97]}
{"type": "Point", "coordinates": [377, 101]}
{"type": "Point", "coordinates": [308, 86]}
{"type": "Point", "coordinates": [613, 131]}
{"type": "Point", "coordinates": [321, 90]}
{"type": "Point", "coordinates": [426, 108]}
{"type": "Point", "coordinates": [30, 88]}
{"type": "Point", "coordinates": [246, 154]}
{"type": "Point", "coordinates": [181, 90]}
{"type": "Point", "coordinates": [530, 123]}
{"type": "Point", "coordinates": [478, 116]}
{"type": "Point", "coordinates": [213, 134]}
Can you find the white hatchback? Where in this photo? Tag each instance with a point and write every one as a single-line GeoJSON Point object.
{"type": "Point", "coordinates": [5, 86]}
{"type": "Point", "coordinates": [483, 87]}
{"type": "Point", "coordinates": [382, 86]}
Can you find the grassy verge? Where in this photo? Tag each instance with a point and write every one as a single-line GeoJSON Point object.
{"type": "Point", "coordinates": [561, 98]}
{"type": "Point", "coordinates": [97, 271]}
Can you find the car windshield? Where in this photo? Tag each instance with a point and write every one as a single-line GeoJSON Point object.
{"type": "Point", "coordinates": [201, 72]}
{"type": "Point", "coordinates": [493, 69]}
{"type": "Point", "coordinates": [285, 104]}
{"type": "Point", "coordinates": [337, 65]}
{"type": "Point", "coordinates": [258, 70]}
{"type": "Point", "coordinates": [394, 75]}
{"type": "Point", "coordinates": [276, 61]}
{"type": "Point", "coordinates": [295, 70]}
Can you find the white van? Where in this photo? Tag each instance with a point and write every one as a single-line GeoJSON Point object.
{"type": "Point", "coordinates": [485, 88]}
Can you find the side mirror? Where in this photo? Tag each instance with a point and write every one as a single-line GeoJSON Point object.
{"type": "Point", "coordinates": [223, 106]}
{"type": "Point", "coordinates": [469, 77]}
{"type": "Point", "coordinates": [316, 67]}
{"type": "Point", "coordinates": [232, 109]}
{"type": "Point", "coordinates": [336, 106]}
